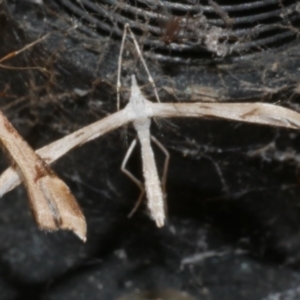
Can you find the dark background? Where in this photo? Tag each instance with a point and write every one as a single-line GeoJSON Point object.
{"type": "Point", "coordinates": [233, 227]}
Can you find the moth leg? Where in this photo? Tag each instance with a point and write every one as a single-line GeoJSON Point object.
{"type": "Point", "coordinates": [138, 50]}
{"type": "Point", "coordinates": [120, 66]}
{"type": "Point", "coordinates": [133, 178]}
{"type": "Point", "coordinates": [166, 166]}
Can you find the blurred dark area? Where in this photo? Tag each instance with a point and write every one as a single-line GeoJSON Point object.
{"type": "Point", "coordinates": [233, 229]}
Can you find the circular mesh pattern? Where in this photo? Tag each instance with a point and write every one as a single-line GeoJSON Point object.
{"type": "Point", "coordinates": [188, 30]}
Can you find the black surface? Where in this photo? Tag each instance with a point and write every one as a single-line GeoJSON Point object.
{"type": "Point", "coordinates": [231, 234]}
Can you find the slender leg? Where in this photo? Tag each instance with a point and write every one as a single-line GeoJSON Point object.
{"type": "Point", "coordinates": [120, 66]}
{"type": "Point", "coordinates": [153, 187]}
{"type": "Point", "coordinates": [150, 78]}
{"type": "Point", "coordinates": [165, 170]}
{"type": "Point", "coordinates": [143, 61]}
{"type": "Point", "coordinates": [133, 178]}
{"type": "Point", "coordinates": [166, 165]}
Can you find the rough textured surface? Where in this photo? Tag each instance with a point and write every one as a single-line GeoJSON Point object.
{"type": "Point", "coordinates": [233, 190]}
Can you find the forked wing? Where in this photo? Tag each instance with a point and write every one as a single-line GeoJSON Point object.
{"type": "Point", "coordinates": [9, 179]}
{"type": "Point", "coordinates": [259, 113]}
